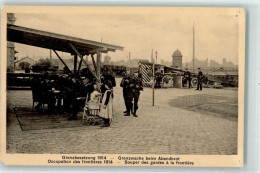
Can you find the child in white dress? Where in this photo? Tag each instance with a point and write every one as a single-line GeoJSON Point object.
{"type": "Point", "coordinates": [94, 103]}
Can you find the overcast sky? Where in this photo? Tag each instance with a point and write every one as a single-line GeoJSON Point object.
{"type": "Point", "coordinates": [216, 35]}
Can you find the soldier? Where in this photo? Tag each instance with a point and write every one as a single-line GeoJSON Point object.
{"type": "Point", "coordinates": [124, 83]}
{"type": "Point", "coordinates": [37, 93]}
{"type": "Point", "coordinates": [129, 95]}
{"type": "Point", "coordinates": [73, 102]}
{"type": "Point", "coordinates": [158, 80]}
{"type": "Point", "coordinates": [199, 77]}
{"type": "Point", "coordinates": [187, 76]}
{"type": "Point", "coordinates": [138, 86]}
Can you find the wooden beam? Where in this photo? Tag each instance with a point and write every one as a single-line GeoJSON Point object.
{"type": "Point", "coordinates": [75, 63]}
{"type": "Point", "coordinates": [98, 50]}
{"type": "Point", "coordinates": [98, 69]}
{"type": "Point", "coordinates": [80, 62]}
{"type": "Point", "coordinates": [53, 36]}
{"type": "Point", "coordinates": [111, 50]}
{"type": "Point", "coordinates": [94, 63]}
{"type": "Point", "coordinates": [76, 51]}
{"type": "Point", "coordinates": [62, 61]}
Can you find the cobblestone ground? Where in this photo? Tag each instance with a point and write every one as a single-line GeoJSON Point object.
{"type": "Point", "coordinates": [162, 129]}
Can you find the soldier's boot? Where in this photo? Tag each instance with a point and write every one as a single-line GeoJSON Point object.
{"type": "Point", "coordinates": [128, 109]}
{"type": "Point", "coordinates": [127, 114]}
{"type": "Point", "coordinates": [134, 114]}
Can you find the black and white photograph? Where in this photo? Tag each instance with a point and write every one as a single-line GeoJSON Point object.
{"type": "Point", "coordinates": [127, 85]}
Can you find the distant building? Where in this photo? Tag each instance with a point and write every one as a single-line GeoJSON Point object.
{"type": "Point", "coordinates": [133, 62]}
{"type": "Point", "coordinates": [25, 59]}
{"type": "Point", "coordinates": [214, 64]}
{"type": "Point", "coordinates": [224, 62]}
{"type": "Point", "coordinates": [197, 63]}
{"type": "Point", "coordinates": [166, 63]}
{"type": "Point", "coordinates": [10, 45]}
{"type": "Point", "coordinates": [70, 63]}
{"type": "Point", "coordinates": [177, 59]}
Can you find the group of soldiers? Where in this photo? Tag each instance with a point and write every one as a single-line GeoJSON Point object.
{"type": "Point", "coordinates": [61, 93]}
{"type": "Point", "coordinates": [187, 79]}
{"type": "Point", "coordinates": [71, 88]}
{"type": "Point", "coordinates": [132, 85]}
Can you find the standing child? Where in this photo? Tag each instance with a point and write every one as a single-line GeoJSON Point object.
{"type": "Point", "coordinates": [106, 110]}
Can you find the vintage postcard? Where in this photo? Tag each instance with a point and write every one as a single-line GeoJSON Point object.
{"type": "Point", "coordinates": [122, 86]}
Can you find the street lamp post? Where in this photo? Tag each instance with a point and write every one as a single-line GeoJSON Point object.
{"type": "Point", "coordinates": [129, 61]}
{"type": "Point", "coordinates": [153, 76]}
{"type": "Point", "coordinates": [156, 53]}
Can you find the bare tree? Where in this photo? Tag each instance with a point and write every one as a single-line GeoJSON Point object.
{"type": "Point", "coordinates": [107, 59]}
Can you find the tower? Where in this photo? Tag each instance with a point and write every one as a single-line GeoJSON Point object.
{"type": "Point", "coordinates": [177, 59]}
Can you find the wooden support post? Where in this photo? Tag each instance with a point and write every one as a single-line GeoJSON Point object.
{"type": "Point", "coordinates": [75, 63]}
{"type": "Point", "coordinates": [98, 69]}
{"type": "Point", "coordinates": [94, 63]}
{"type": "Point", "coordinates": [153, 76]}
{"type": "Point", "coordinates": [77, 52]}
{"type": "Point", "coordinates": [62, 61]}
{"type": "Point", "coordinates": [80, 62]}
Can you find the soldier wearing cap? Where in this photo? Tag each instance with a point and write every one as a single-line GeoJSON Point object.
{"type": "Point", "coordinates": [124, 84]}
{"type": "Point", "coordinates": [128, 84]}
{"type": "Point", "coordinates": [137, 87]}
{"type": "Point", "coordinates": [187, 76]}
{"type": "Point", "coordinates": [199, 77]}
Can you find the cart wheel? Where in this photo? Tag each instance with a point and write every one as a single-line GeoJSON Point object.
{"type": "Point", "coordinates": [90, 122]}
{"type": "Point", "coordinates": [194, 82]}
{"type": "Point", "coordinates": [93, 122]}
{"type": "Point", "coordinates": [101, 120]}
{"type": "Point", "coordinates": [167, 81]}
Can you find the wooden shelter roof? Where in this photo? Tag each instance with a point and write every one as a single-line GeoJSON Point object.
{"type": "Point", "coordinates": [56, 41]}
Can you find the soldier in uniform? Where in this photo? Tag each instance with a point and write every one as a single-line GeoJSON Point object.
{"type": "Point", "coordinates": [187, 76]}
{"type": "Point", "coordinates": [137, 87]}
{"type": "Point", "coordinates": [199, 77]}
{"type": "Point", "coordinates": [128, 85]}
{"type": "Point", "coordinates": [124, 83]}
{"type": "Point", "coordinates": [73, 94]}
{"type": "Point", "coordinates": [158, 80]}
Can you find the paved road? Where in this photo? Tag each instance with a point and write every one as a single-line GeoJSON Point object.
{"type": "Point", "coordinates": [162, 129]}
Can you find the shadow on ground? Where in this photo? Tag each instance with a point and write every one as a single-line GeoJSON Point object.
{"type": "Point", "coordinates": [221, 106]}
